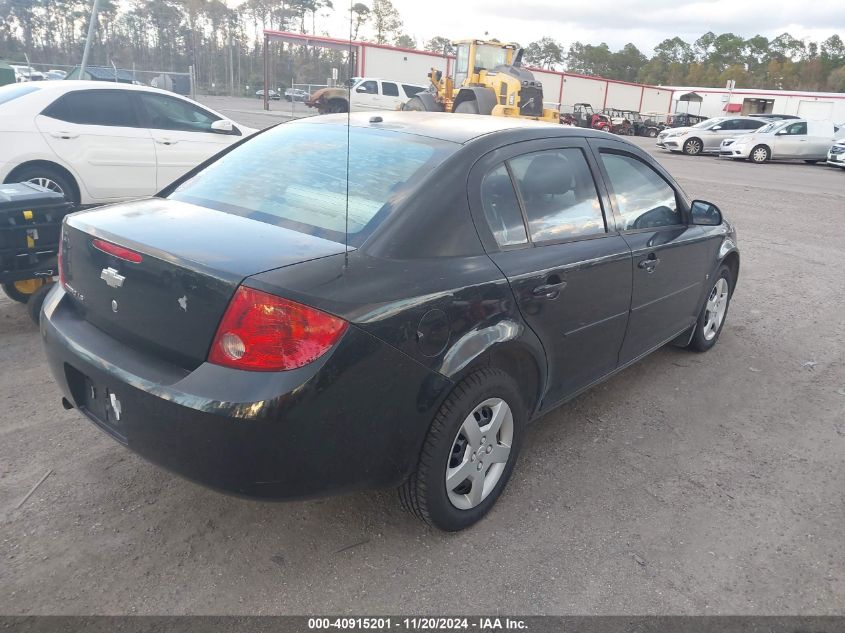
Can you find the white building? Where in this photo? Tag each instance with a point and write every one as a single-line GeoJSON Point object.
{"type": "Point", "coordinates": [829, 106]}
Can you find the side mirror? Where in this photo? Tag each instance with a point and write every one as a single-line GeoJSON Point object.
{"type": "Point", "coordinates": [716, 128]}
{"type": "Point", "coordinates": [361, 89]}
{"type": "Point", "coordinates": [223, 126]}
{"type": "Point", "coordinates": [705, 213]}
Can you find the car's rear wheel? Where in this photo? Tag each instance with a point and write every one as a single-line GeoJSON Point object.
{"type": "Point", "coordinates": [22, 290]}
{"type": "Point", "coordinates": [693, 147]}
{"type": "Point", "coordinates": [46, 177]}
{"type": "Point", "coordinates": [469, 452]}
{"type": "Point", "coordinates": [760, 154]}
{"type": "Point", "coordinates": [711, 320]}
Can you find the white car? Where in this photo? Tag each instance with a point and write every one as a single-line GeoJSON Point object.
{"type": "Point", "coordinates": [378, 94]}
{"type": "Point", "coordinates": [98, 142]}
{"type": "Point", "coordinates": [26, 73]}
{"type": "Point", "coordinates": [836, 155]}
{"type": "Point", "coordinates": [783, 140]}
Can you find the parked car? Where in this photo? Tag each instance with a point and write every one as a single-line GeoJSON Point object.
{"type": "Point", "coordinates": [26, 73]}
{"type": "Point", "coordinates": [233, 330]}
{"type": "Point", "coordinates": [99, 142]}
{"type": "Point", "coordinates": [784, 140]}
{"type": "Point", "coordinates": [271, 94]}
{"type": "Point", "coordinates": [706, 137]}
{"type": "Point", "coordinates": [296, 94]}
{"type": "Point", "coordinates": [366, 95]}
{"type": "Point", "coordinates": [836, 155]}
{"type": "Point", "coordinates": [55, 75]}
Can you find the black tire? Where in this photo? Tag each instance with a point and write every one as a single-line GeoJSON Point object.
{"type": "Point", "coordinates": [466, 107]}
{"type": "Point", "coordinates": [414, 104]}
{"type": "Point", "coordinates": [15, 292]}
{"type": "Point", "coordinates": [693, 147]}
{"type": "Point", "coordinates": [424, 494]}
{"type": "Point", "coordinates": [34, 173]}
{"type": "Point", "coordinates": [760, 154]}
{"type": "Point", "coordinates": [337, 106]}
{"type": "Point", "coordinates": [700, 341]}
{"type": "Point", "coordinates": [651, 132]}
{"type": "Point", "coordinates": [36, 300]}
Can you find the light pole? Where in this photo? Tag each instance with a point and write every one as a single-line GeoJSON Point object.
{"type": "Point", "coordinates": [91, 28]}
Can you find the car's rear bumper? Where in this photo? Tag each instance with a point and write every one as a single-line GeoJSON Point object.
{"type": "Point", "coordinates": [355, 418]}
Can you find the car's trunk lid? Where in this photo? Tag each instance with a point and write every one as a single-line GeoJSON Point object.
{"type": "Point", "coordinates": [192, 260]}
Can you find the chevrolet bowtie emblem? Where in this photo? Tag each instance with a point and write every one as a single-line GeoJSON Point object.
{"type": "Point", "coordinates": [112, 278]}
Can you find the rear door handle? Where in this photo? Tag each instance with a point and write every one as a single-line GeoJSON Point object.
{"type": "Point", "coordinates": [551, 289]}
{"type": "Point", "coordinates": [64, 135]}
{"type": "Point", "coordinates": [649, 264]}
{"type": "Point", "coordinates": [166, 141]}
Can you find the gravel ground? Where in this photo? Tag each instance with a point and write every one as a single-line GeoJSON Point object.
{"type": "Point", "coordinates": [688, 484]}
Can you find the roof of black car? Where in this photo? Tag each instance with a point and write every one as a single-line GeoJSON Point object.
{"type": "Point", "coordinates": [457, 128]}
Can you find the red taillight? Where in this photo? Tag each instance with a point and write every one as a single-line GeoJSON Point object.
{"type": "Point", "coordinates": [118, 251]}
{"type": "Point", "coordinates": [262, 332]}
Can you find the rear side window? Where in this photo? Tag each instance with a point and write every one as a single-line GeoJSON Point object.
{"type": "Point", "coordinates": [412, 90]}
{"type": "Point", "coordinates": [295, 176]}
{"type": "Point", "coordinates": [94, 107]}
{"type": "Point", "coordinates": [642, 197]}
{"type": "Point", "coordinates": [13, 91]}
{"type": "Point", "coordinates": [389, 89]}
{"type": "Point", "coordinates": [168, 113]}
{"type": "Point", "coordinates": [501, 208]}
{"type": "Point", "coordinates": [558, 194]}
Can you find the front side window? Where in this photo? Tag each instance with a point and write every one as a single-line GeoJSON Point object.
{"type": "Point", "coordinates": [501, 208]}
{"type": "Point", "coordinates": [169, 113]}
{"type": "Point", "coordinates": [642, 198]}
{"type": "Point", "coordinates": [367, 87]}
{"type": "Point", "coordinates": [751, 124]}
{"type": "Point", "coordinates": [559, 195]}
{"type": "Point", "coordinates": [94, 107]}
{"type": "Point", "coordinates": [295, 176]}
{"type": "Point", "coordinates": [797, 129]}
{"type": "Point", "coordinates": [389, 89]}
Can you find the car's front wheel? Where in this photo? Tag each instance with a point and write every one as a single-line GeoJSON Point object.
{"type": "Point", "coordinates": [711, 320]}
{"type": "Point", "coordinates": [760, 154]}
{"type": "Point", "coordinates": [693, 147]}
{"type": "Point", "coordinates": [469, 452]}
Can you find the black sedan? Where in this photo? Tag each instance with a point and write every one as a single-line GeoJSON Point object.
{"type": "Point", "coordinates": [284, 322]}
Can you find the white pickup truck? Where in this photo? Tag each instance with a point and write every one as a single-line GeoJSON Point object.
{"type": "Point", "coordinates": [366, 94]}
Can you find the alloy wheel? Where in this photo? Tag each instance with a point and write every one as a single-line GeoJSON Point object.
{"type": "Point", "coordinates": [480, 451]}
{"type": "Point", "coordinates": [47, 183]}
{"type": "Point", "coordinates": [717, 306]}
{"type": "Point", "coordinates": [693, 147]}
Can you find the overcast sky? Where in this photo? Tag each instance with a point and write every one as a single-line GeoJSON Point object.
{"type": "Point", "coordinates": [617, 22]}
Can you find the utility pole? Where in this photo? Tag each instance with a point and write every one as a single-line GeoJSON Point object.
{"type": "Point", "coordinates": [91, 29]}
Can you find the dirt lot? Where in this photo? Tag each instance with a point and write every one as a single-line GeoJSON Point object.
{"type": "Point", "coordinates": [688, 484]}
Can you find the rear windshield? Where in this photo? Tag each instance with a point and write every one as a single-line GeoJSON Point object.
{"type": "Point", "coordinates": [295, 176]}
{"type": "Point", "coordinates": [13, 91]}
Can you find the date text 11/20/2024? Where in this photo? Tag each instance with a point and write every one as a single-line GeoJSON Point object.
{"type": "Point", "coordinates": [418, 624]}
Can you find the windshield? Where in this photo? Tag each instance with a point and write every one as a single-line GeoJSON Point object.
{"type": "Point", "coordinates": [295, 175]}
{"type": "Point", "coordinates": [13, 91]}
{"type": "Point", "coordinates": [488, 57]}
{"type": "Point", "coordinates": [706, 125]}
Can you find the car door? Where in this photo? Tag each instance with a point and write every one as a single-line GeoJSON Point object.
{"type": "Point", "coordinates": [541, 219]}
{"type": "Point", "coordinates": [366, 96]}
{"type": "Point", "coordinates": [791, 141]}
{"type": "Point", "coordinates": [713, 137]}
{"type": "Point", "coordinates": [670, 256]}
{"type": "Point", "coordinates": [182, 134]}
{"type": "Point", "coordinates": [98, 134]}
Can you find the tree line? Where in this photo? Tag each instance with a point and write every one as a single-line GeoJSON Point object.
{"type": "Point", "coordinates": [225, 45]}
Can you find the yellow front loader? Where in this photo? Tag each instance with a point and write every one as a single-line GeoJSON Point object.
{"type": "Point", "coordinates": [488, 78]}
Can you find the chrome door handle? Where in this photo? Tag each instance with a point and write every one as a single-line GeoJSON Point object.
{"type": "Point", "coordinates": [649, 264]}
{"type": "Point", "coordinates": [64, 135]}
{"type": "Point", "coordinates": [166, 141]}
{"type": "Point", "coordinates": [551, 289]}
